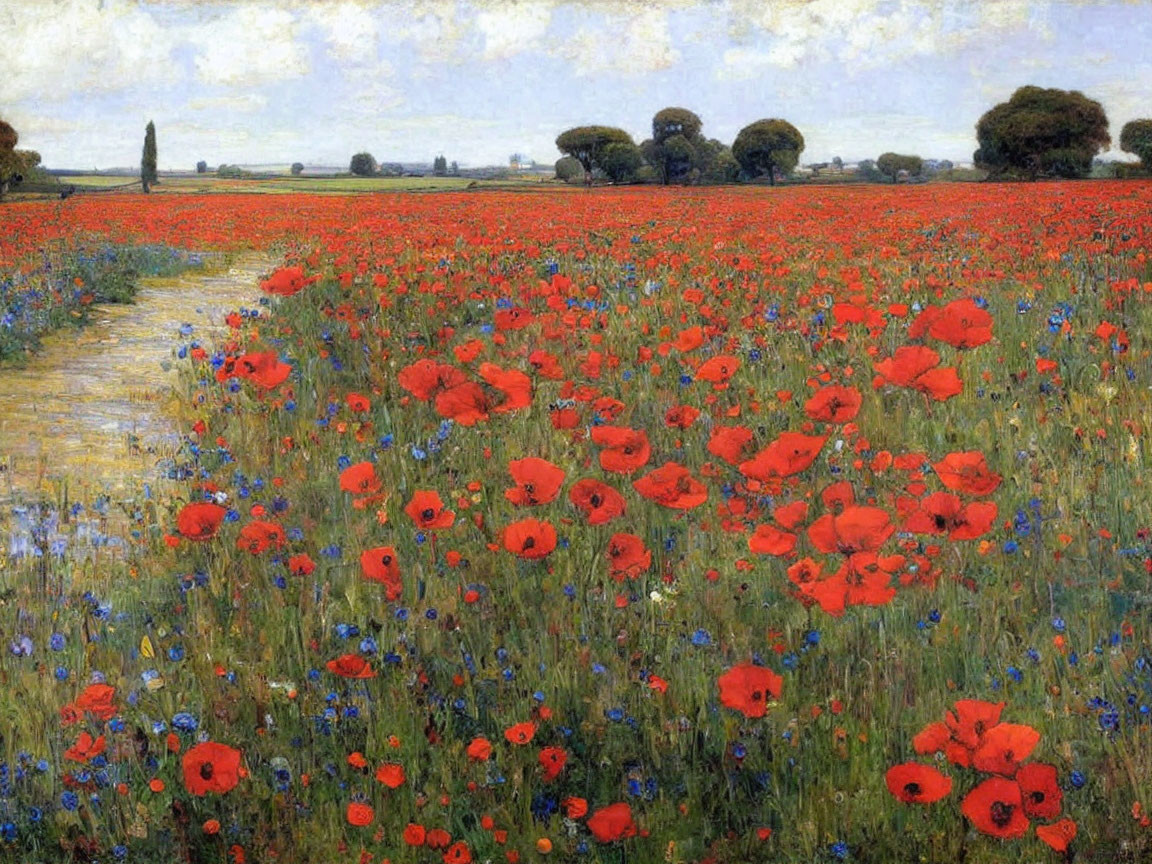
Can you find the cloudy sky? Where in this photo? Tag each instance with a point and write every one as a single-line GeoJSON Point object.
{"type": "Point", "coordinates": [276, 81]}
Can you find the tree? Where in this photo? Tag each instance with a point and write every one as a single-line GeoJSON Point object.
{"type": "Point", "coordinates": [676, 144]}
{"type": "Point", "coordinates": [148, 159]}
{"type": "Point", "coordinates": [297, 169]}
{"type": "Point", "coordinates": [620, 161]}
{"type": "Point", "coordinates": [1042, 133]}
{"type": "Point", "coordinates": [768, 146]}
{"type": "Point", "coordinates": [10, 164]}
{"type": "Point", "coordinates": [201, 167]}
{"type": "Point", "coordinates": [440, 166]}
{"type": "Point", "coordinates": [1136, 137]}
{"type": "Point", "coordinates": [454, 169]}
{"type": "Point", "coordinates": [838, 164]}
{"type": "Point", "coordinates": [587, 144]}
{"type": "Point", "coordinates": [891, 164]}
{"type": "Point", "coordinates": [569, 169]}
{"type": "Point", "coordinates": [363, 165]}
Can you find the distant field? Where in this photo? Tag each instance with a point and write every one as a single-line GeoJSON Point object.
{"type": "Point", "coordinates": [319, 185]}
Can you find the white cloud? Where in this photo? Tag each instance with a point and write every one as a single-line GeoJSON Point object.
{"type": "Point", "coordinates": [250, 46]}
{"type": "Point", "coordinates": [635, 40]}
{"type": "Point", "coordinates": [351, 31]}
{"type": "Point", "coordinates": [509, 29]}
{"type": "Point", "coordinates": [54, 49]}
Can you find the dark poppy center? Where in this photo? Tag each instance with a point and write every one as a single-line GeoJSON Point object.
{"type": "Point", "coordinates": [530, 543]}
{"type": "Point", "coordinates": [529, 488]}
{"type": "Point", "coordinates": [387, 559]}
{"type": "Point", "coordinates": [1037, 797]}
{"type": "Point", "coordinates": [206, 771]}
{"type": "Point", "coordinates": [757, 695]}
{"type": "Point", "coordinates": [596, 500]}
{"type": "Point", "coordinates": [628, 450]}
{"type": "Point", "coordinates": [1002, 813]}
{"type": "Point", "coordinates": [941, 522]}
{"type": "Point", "coordinates": [912, 790]}
{"type": "Point", "coordinates": [428, 515]}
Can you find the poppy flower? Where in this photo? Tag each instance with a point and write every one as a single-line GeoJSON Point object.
{"type": "Point", "coordinates": [1058, 835]}
{"type": "Point", "coordinates": [967, 472]}
{"type": "Point", "coordinates": [627, 557]}
{"type": "Point", "coordinates": [552, 761]}
{"type": "Point", "coordinates": [680, 416]}
{"type": "Point", "coordinates": [546, 365]}
{"type": "Point", "coordinates": [351, 666]}
{"type": "Point", "coordinates": [914, 783]}
{"type": "Point", "coordinates": [200, 520]}
{"type": "Point", "coordinates": [96, 699]}
{"type": "Point", "coordinates": [414, 835]}
{"type": "Point", "coordinates": [834, 404]}
{"type": "Point", "coordinates": [85, 748]}
{"type": "Point", "coordinates": [1040, 790]}
{"type": "Point", "coordinates": [379, 564]}
{"type": "Point", "coordinates": [360, 479]}
{"type": "Point", "coordinates": [611, 823]}
{"type": "Point", "coordinates": [479, 749]}
{"type": "Point", "coordinates": [1003, 747]}
{"type": "Point", "coordinates": [995, 807]}
{"type": "Point", "coordinates": [520, 733]}
{"type": "Point", "coordinates": [515, 386]}
{"type": "Point", "coordinates": [718, 370]}
{"type": "Point", "coordinates": [624, 450]}
{"type": "Point", "coordinates": [945, 513]}
{"type": "Point", "coordinates": [856, 529]}
{"type": "Point", "coordinates": [287, 281]}
{"type": "Point", "coordinates": [918, 367]}
{"type": "Point", "coordinates": [970, 719]}
{"type": "Point", "coordinates": [746, 689]}
{"type": "Point", "coordinates": [530, 538]}
{"type": "Point", "coordinates": [961, 323]}
{"type": "Point", "coordinates": [538, 481]}
{"type": "Point", "coordinates": [425, 378]}
{"type": "Point", "coordinates": [574, 808]}
{"type": "Point", "coordinates": [211, 767]}
{"type": "Point", "coordinates": [790, 453]}
{"type": "Point", "coordinates": [457, 853]}
{"type": "Point", "coordinates": [466, 403]}
{"type": "Point", "coordinates": [359, 814]}
{"type": "Point", "coordinates": [427, 511]}
{"type": "Point", "coordinates": [516, 318]}
{"type": "Point", "coordinates": [672, 485]}
{"type": "Point", "coordinates": [790, 516]}
{"type": "Point", "coordinates": [931, 739]}
{"type": "Point", "coordinates": [391, 774]}
{"type": "Point", "coordinates": [263, 369]}
{"type": "Point", "coordinates": [598, 501]}
{"type": "Point", "coordinates": [358, 404]}
{"type": "Point", "coordinates": [437, 838]}
{"type": "Point", "coordinates": [258, 536]}
{"type": "Point", "coordinates": [301, 565]}
{"type": "Point", "coordinates": [729, 442]}
{"type": "Point", "coordinates": [770, 540]}
{"type": "Point", "coordinates": [689, 339]}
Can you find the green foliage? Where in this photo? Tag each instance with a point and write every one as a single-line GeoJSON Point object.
{"type": "Point", "coordinates": [297, 169]}
{"type": "Point", "coordinates": [201, 167]}
{"type": "Point", "coordinates": [676, 144]}
{"type": "Point", "coordinates": [11, 164]}
{"type": "Point", "coordinates": [363, 165]}
{"type": "Point", "coordinates": [1042, 133]}
{"type": "Point", "coordinates": [148, 175]}
{"type": "Point", "coordinates": [1136, 138]}
{"type": "Point", "coordinates": [587, 144]}
{"type": "Point", "coordinates": [768, 147]}
{"type": "Point", "coordinates": [569, 169]}
{"type": "Point", "coordinates": [891, 164]}
{"type": "Point", "coordinates": [440, 166]}
{"type": "Point", "coordinates": [620, 160]}
{"type": "Point", "coordinates": [232, 172]}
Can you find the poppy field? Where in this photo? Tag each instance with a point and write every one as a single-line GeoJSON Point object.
{"type": "Point", "coordinates": [727, 525]}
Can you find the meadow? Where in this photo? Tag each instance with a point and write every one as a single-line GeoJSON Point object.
{"type": "Point", "coordinates": [728, 525]}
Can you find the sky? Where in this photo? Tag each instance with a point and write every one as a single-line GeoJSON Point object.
{"type": "Point", "coordinates": [279, 81]}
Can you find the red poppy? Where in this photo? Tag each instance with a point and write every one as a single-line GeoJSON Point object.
{"type": "Point", "coordinates": [538, 481]}
{"type": "Point", "coordinates": [479, 749]}
{"type": "Point", "coordinates": [391, 774]}
{"type": "Point", "coordinates": [945, 513]}
{"type": "Point", "coordinates": [856, 529]}
{"type": "Point", "coordinates": [520, 733]}
{"type": "Point", "coordinates": [1058, 835]}
{"type": "Point", "coordinates": [287, 281]}
{"type": "Point", "coordinates": [914, 783]}
{"type": "Point", "coordinates": [457, 853]}
{"type": "Point", "coordinates": [834, 404]}
{"type": "Point", "coordinates": [598, 501]}
{"type": "Point", "coordinates": [918, 367]}
{"type": "Point", "coordinates": [425, 378]}
{"type": "Point", "coordinates": [961, 323]}
{"type": "Point", "coordinates": [770, 540]}
{"type": "Point", "coordinates": [689, 339]}
{"type": "Point", "coordinates": [718, 370]}
{"type": "Point", "coordinates": [85, 748]}
{"type": "Point", "coordinates": [263, 369]}
{"type": "Point", "coordinates": [627, 557]}
{"type": "Point", "coordinates": [546, 365]}
{"type": "Point", "coordinates": [359, 814]}
{"type": "Point", "coordinates": [624, 450]}
{"type": "Point", "coordinates": [837, 496]}
{"type": "Point", "coordinates": [1040, 790]}
{"type": "Point", "coordinates": [351, 666]}
{"type": "Point", "coordinates": [301, 565]}
{"type": "Point", "coordinates": [552, 761]}
{"type": "Point", "coordinates": [575, 808]}
{"type": "Point", "coordinates": [789, 454]}
{"type": "Point", "coordinates": [414, 835]}
{"type": "Point", "coordinates": [729, 443]}
{"type": "Point", "coordinates": [427, 511]}
{"type": "Point", "coordinates": [379, 564]}
{"type": "Point", "coordinates": [967, 472]}
{"type": "Point", "coordinates": [211, 767]}
{"type": "Point", "coordinates": [358, 404]}
{"type": "Point", "coordinates": [970, 719]}
{"type": "Point", "coordinates": [1003, 747]}
{"type": "Point", "coordinates": [613, 822]}
{"type": "Point", "coordinates": [681, 416]}
{"type": "Point", "coordinates": [200, 520]}
{"type": "Point", "coordinates": [256, 537]}
{"type": "Point", "coordinates": [96, 699]}
{"type": "Point", "coordinates": [516, 318]}
{"type": "Point", "coordinates": [530, 538]}
{"type": "Point", "coordinates": [995, 807]}
{"type": "Point", "coordinates": [790, 516]}
{"type": "Point", "coordinates": [466, 403]}
{"type": "Point", "coordinates": [747, 687]}
{"type": "Point", "coordinates": [360, 479]}
{"type": "Point", "coordinates": [513, 384]}
{"type": "Point", "coordinates": [672, 485]}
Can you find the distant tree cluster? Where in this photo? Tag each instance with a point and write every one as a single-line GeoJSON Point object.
{"type": "Point", "coordinates": [15, 165]}
{"type": "Point", "coordinates": [678, 152]}
{"type": "Point", "coordinates": [363, 165]}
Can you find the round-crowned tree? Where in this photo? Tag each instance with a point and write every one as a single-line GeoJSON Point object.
{"type": "Point", "coordinates": [1136, 138]}
{"type": "Point", "coordinates": [768, 147]}
{"type": "Point", "coordinates": [587, 145]}
{"type": "Point", "coordinates": [363, 165]}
